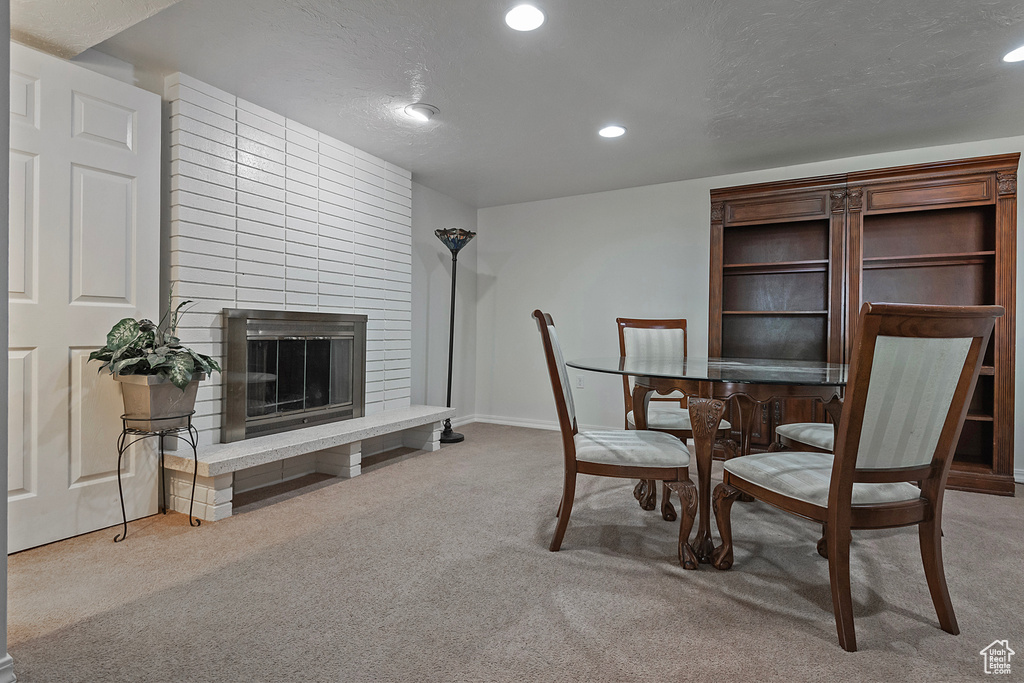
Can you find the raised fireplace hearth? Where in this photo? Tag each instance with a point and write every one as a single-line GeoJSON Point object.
{"type": "Point", "coordinates": [287, 370]}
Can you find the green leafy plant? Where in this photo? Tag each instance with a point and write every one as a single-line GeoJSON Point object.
{"type": "Point", "coordinates": [140, 347]}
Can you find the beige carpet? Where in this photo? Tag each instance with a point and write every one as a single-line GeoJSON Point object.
{"type": "Point", "coordinates": [435, 567]}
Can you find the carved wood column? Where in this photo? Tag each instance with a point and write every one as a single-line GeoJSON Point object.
{"type": "Point", "coordinates": [1005, 332]}
{"type": "Point", "coordinates": [854, 261]}
{"type": "Point", "coordinates": [715, 285]}
{"type": "Point", "coordinates": [837, 274]}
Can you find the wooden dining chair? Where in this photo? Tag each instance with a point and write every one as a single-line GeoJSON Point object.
{"type": "Point", "coordinates": [614, 452]}
{"type": "Point", "coordinates": [666, 413]}
{"type": "Point", "coordinates": [912, 373]}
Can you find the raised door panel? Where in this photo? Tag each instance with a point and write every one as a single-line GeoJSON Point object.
{"type": "Point", "coordinates": [103, 231]}
{"type": "Point", "coordinates": [25, 95]}
{"type": "Point", "coordinates": [105, 122]}
{"type": "Point", "coordinates": [22, 437]}
{"type": "Point", "coordinates": [777, 202]}
{"type": "Point", "coordinates": [778, 210]}
{"type": "Point", "coordinates": [23, 225]}
{"type": "Point", "coordinates": [921, 195]}
{"type": "Point", "coordinates": [94, 423]}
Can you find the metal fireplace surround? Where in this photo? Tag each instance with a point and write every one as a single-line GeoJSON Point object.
{"type": "Point", "coordinates": [287, 370]}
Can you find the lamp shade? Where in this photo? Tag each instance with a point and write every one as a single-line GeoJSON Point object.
{"type": "Point", "coordinates": [454, 238]}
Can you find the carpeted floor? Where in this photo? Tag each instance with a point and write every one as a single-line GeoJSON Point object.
{"type": "Point", "coordinates": [434, 567]}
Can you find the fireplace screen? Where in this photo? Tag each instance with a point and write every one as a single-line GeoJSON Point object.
{"type": "Point", "coordinates": [291, 370]}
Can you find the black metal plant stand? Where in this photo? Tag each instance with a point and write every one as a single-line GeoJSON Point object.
{"type": "Point", "coordinates": [455, 239]}
{"type": "Point", "coordinates": [187, 433]}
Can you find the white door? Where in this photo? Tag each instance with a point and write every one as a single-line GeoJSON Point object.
{"type": "Point", "coordinates": [84, 253]}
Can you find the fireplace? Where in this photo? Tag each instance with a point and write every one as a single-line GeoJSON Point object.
{"type": "Point", "coordinates": [288, 370]}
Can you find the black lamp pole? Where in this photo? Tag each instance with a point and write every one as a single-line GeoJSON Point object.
{"type": "Point", "coordinates": [455, 239]}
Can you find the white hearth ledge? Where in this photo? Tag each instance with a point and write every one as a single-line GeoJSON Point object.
{"type": "Point", "coordinates": [337, 448]}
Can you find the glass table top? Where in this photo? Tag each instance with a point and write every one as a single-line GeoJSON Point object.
{"type": "Point", "coordinates": [732, 370]}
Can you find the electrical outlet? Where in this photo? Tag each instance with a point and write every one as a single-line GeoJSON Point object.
{"type": "Point", "coordinates": [579, 382]}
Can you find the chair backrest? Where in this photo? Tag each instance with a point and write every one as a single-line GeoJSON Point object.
{"type": "Point", "coordinates": [559, 376]}
{"type": "Point", "coordinates": [649, 337]}
{"type": "Point", "coordinates": [913, 370]}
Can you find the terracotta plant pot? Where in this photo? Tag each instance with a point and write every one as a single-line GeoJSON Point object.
{"type": "Point", "coordinates": [149, 400]}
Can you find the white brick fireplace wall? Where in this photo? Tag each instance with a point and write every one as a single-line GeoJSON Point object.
{"type": "Point", "coordinates": [267, 213]}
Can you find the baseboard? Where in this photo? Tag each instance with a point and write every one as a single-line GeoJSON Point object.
{"type": "Point", "coordinates": [464, 420]}
{"type": "Point", "coordinates": [7, 670]}
{"type": "Point", "coordinates": [1018, 476]}
{"type": "Point", "coordinates": [516, 422]}
{"type": "Point", "coordinates": [532, 424]}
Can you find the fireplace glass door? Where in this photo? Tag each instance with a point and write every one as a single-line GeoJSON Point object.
{"type": "Point", "coordinates": [289, 370]}
{"type": "Point", "coordinates": [293, 375]}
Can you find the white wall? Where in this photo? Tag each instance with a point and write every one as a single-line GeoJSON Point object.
{"type": "Point", "coordinates": [642, 252]}
{"type": "Point", "coordinates": [431, 304]}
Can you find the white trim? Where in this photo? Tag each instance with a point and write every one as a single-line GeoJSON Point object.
{"type": "Point", "coordinates": [460, 421]}
{"type": "Point", "coordinates": [516, 422]}
{"type": "Point", "coordinates": [534, 424]}
{"type": "Point", "coordinates": [1018, 476]}
{"type": "Point", "coordinates": [7, 670]}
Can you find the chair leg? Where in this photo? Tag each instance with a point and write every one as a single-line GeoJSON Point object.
{"type": "Point", "coordinates": [640, 491]}
{"type": "Point", "coordinates": [722, 501]}
{"type": "Point", "coordinates": [931, 553]}
{"type": "Point", "coordinates": [564, 510]}
{"type": "Point", "coordinates": [688, 499]}
{"type": "Point", "coordinates": [668, 513]}
{"type": "Point", "coordinates": [823, 542]}
{"type": "Point", "coordinates": [838, 543]}
{"type": "Point", "coordinates": [646, 493]}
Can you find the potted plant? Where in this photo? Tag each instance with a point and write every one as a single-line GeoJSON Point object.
{"type": "Point", "coordinates": [159, 376]}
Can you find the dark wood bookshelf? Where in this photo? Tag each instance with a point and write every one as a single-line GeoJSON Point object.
{"type": "Point", "coordinates": [792, 262]}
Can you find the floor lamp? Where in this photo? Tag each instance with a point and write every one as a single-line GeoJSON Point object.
{"type": "Point", "coordinates": [455, 239]}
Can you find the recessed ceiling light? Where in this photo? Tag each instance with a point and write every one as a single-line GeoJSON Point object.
{"type": "Point", "coordinates": [524, 18]}
{"type": "Point", "coordinates": [612, 132]}
{"type": "Point", "coordinates": [1015, 56]}
{"type": "Point", "coordinates": [421, 111]}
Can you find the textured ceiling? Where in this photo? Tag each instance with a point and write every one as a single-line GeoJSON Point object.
{"type": "Point", "coordinates": [705, 87]}
{"type": "Point", "coordinates": [68, 27]}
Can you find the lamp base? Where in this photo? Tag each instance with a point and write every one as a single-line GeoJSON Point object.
{"type": "Point", "coordinates": [448, 436]}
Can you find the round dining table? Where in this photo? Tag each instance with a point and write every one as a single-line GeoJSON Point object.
{"type": "Point", "coordinates": [708, 383]}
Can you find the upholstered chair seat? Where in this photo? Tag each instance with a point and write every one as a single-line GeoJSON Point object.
{"type": "Point", "coordinates": [816, 434]}
{"type": "Point", "coordinates": [634, 448]}
{"type": "Point", "coordinates": [806, 477]}
{"type": "Point", "coordinates": [668, 418]}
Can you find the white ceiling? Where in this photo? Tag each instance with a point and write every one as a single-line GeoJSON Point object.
{"type": "Point", "coordinates": [68, 27]}
{"type": "Point", "coordinates": [705, 87]}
